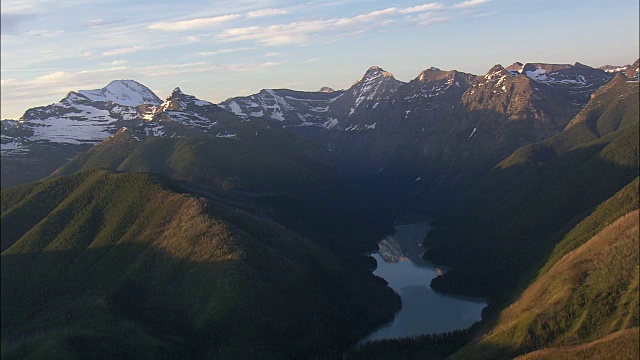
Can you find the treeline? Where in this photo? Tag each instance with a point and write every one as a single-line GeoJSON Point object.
{"type": "Point", "coordinates": [430, 346]}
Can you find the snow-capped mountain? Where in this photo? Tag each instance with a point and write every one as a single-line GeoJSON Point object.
{"type": "Point", "coordinates": [122, 92]}
{"type": "Point", "coordinates": [578, 80]}
{"type": "Point", "coordinates": [614, 68]}
{"type": "Point", "coordinates": [82, 117]}
{"type": "Point", "coordinates": [341, 110]}
{"type": "Point", "coordinates": [51, 135]}
{"type": "Point", "coordinates": [379, 120]}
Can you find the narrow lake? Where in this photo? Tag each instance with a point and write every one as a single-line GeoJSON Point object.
{"type": "Point", "coordinates": [423, 311]}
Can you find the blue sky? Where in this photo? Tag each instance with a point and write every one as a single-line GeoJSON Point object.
{"type": "Point", "coordinates": [219, 49]}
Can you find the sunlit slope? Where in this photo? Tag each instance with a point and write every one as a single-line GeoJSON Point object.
{"type": "Point", "coordinates": [621, 345]}
{"type": "Point", "coordinates": [121, 266]}
{"type": "Point", "coordinates": [587, 294]}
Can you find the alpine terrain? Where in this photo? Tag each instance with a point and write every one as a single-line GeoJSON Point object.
{"type": "Point", "coordinates": [136, 227]}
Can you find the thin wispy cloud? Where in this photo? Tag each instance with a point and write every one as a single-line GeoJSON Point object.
{"type": "Point", "coordinates": [266, 12]}
{"type": "Point", "coordinates": [421, 8]}
{"type": "Point", "coordinates": [102, 22]}
{"type": "Point", "coordinates": [431, 18]}
{"type": "Point", "coordinates": [468, 4]}
{"type": "Point", "coordinates": [44, 33]}
{"type": "Point", "coordinates": [303, 32]}
{"type": "Point", "coordinates": [205, 68]}
{"type": "Point", "coordinates": [122, 51]}
{"type": "Point", "coordinates": [202, 23]}
{"type": "Point", "coordinates": [220, 51]}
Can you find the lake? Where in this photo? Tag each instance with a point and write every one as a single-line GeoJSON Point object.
{"type": "Point", "coordinates": [423, 310]}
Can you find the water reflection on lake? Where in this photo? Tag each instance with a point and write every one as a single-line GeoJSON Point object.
{"type": "Point", "coordinates": [423, 311]}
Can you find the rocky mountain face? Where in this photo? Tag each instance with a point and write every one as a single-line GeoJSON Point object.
{"type": "Point", "coordinates": [444, 122]}
{"type": "Point", "coordinates": [46, 137]}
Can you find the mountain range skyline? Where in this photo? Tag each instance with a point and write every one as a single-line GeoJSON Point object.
{"type": "Point", "coordinates": [219, 51]}
{"type": "Point", "coordinates": [327, 88]}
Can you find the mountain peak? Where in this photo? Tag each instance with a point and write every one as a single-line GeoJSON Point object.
{"type": "Point", "coordinates": [582, 66]}
{"type": "Point", "coordinates": [376, 70]}
{"type": "Point", "coordinates": [516, 67]}
{"type": "Point", "coordinates": [632, 71]}
{"type": "Point", "coordinates": [497, 71]}
{"type": "Point", "coordinates": [375, 73]}
{"type": "Point", "coordinates": [326, 89]}
{"type": "Point", "coordinates": [123, 92]}
{"type": "Point", "coordinates": [496, 68]}
{"type": "Point", "coordinates": [176, 91]}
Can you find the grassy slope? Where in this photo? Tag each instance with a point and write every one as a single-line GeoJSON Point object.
{"type": "Point", "coordinates": [589, 293]}
{"type": "Point", "coordinates": [292, 181]}
{"type": "Point", "coordinates": [621, 345]}
{"type": "Point", "coordinates": [513, 217]}
{"type": "Point", "coordinates": [121, 266]}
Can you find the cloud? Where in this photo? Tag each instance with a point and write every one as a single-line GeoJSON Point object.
{"type": "Point", "coordinates": [266, 12]}
{"type": "Point", "coordinates": [302, 32]}
{"type": "Point", "coordinates": [193, 24]}
{"type": "Point", "coordinates": [421, 8]}
{"type": "Point", "coordinates": [122, 50]}
{"type": "Point", "coordinates": [205, 67]}
{"type": "Point", "coordinates": [469, 3]}
{"type": "Point", "coordinates": [484, 14]}
{"type": "Point", "coordinates": [45, 33]}
{"type": "Point", "coordinates": [430, 18]}
{"type": "Point", "coordinates": [221, 51]}
{"type": "Point", "coordinates": [49, 78]}
{"type": "Point", "coordinates": [101, 22]}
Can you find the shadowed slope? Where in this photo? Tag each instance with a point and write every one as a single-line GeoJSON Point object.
{"type": "Point", "coordinates": [122, 266]}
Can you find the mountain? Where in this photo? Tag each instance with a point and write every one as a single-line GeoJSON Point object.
{"type": "Point", "coordinates": [345, 110]}
{"type": "Point", "coordinates": [632, 71]}
{"type": "Point", "coordinates": [448, 125]}
{"type": "Point", "coordinates": [559, 179]}
{"type": "Point", "coordinates": [615, 68]}
{"type": "Point", "coordinates": [202, 230]}
{"type": "Point", "coordinates": [586, 291]}
{"type": "Point", "coordinates": [46, 137]}
{"type": "Point", "coordinates": [550, 235]}
{"type": "Point", "coordinates": [122, 92]}
{"type": "Point", "coordinates": [126, 265]}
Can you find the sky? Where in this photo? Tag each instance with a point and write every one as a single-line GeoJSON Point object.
{"type": "Point", "coordinates": [220, 49]}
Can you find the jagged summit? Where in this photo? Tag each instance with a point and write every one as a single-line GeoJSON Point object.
{"type": "Point", "coordinates": [497, 71]}
{"type": "Point", "coordinates": [516, 67]}
{"type": "Point", "coordinates": [373, 73]}
{"type": "Point", "coordinates": [123, 92]}
{"type": "Point", "coordinates": [326, 89]}
{"type": "Point", "coordinates": [632, 71]}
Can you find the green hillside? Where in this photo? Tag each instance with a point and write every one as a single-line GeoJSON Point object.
{"type": "Point", "coordinates": [101, 265]}
{"type": "Point", "coordinates": [290, 180]}
{"type": "Point", "coordinates": [621, 345]}
{"type": "Point", "coordinates": [588, 294]}
{"type": "Point", "coordinates": [513, 221]}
